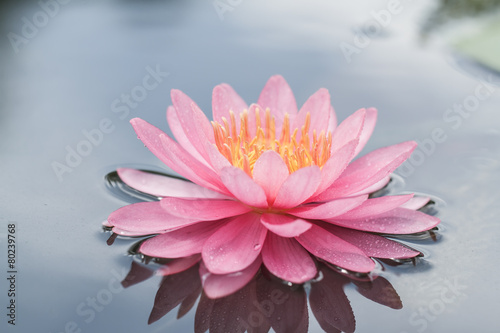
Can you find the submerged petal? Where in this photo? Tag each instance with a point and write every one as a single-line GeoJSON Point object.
{"type": "Point", "coordinates": [234, 246]}
{"type": "Point", "coordinates": [287, 259]}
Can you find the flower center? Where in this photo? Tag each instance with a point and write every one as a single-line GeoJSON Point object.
{"type": "Point", "coordinates": [242, 150]}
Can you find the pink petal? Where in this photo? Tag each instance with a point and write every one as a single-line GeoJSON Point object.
{"type": "Point", "coordinates": [164, 186]}
{"type": "Point", "coordinates": [368, 170]}
{"type": "Point", "coordinates": [178, 265]}
{"type": "Point", "coordinates": [337, 163]}
{"type": "Point", "coordinates": [215, 158]}
{"type": "Point", "coordinates": [298, 187]}
{"type": "Point", "coordinates": [278, 97]}
{"type": "Point", "coordinates": [348, 130]}
{"type": "Point", "coordinates": [373, 245]}
{"type": "Point", "coordinates": [174, 156]}
{"type": "Point", "coordinates": [287, 259]}
{"type": "Point", "coordinates": [416, 203]}
{"type": "Point", "coordinates": [179, 135]}
{"type": "Point", "coordinates": [270, 171]}
{"type": "Point", "coordinates": [235, 246]}
{"type": "Point", "coordinates": [221, 285]}
{"type": "Point", "coordinates": [332, 123]}
{"type": "Point", "coordinates": [335, 250]}
{"type": "Point", "coordinates": [368, 127]}
{"type": "Point", "coordinates": [225, 99]}
{"type": "Point", "coordinates": [284, 225]}
{"type": "Point", "coordinates": [396, 221]}
{"type": "Point", "coordinates": [375, 187]}
{"type": "Point", "coordinates": [375, 206]}
{"type": "Point", "coordinates": [318, 106]}
{"type": "Point", "coordinates": [146, 218]}
{"type": "Point", "coordinates": [243, 187]}
{"type": "Point", "coordinates": [195, 124]}
{"type": "Point", "coordinates": [328, 209]}
{"type": "Point", "coordinates": [181, 242]}
{"type": "Point", "coordinates": [252, 115]}
{"type": "Point", "coordinates": [187, 166]}
{"type": "Point", "coordinates": [203, 209]}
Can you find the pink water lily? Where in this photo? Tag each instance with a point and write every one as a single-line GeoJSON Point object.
{"type": "Point", "coordinates": [269, 183]}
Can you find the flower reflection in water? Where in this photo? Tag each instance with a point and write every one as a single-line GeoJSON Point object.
{"type": "Point", "coordinates": [237, 303]}
{"type": "Point", "coordinates": [265, 302]}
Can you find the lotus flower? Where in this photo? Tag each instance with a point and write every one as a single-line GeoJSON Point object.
{"type": "Point", "coordinates": [269, 184]}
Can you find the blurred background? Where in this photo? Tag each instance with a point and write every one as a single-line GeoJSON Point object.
{"type": "Point", "coordinates": [73, 73]}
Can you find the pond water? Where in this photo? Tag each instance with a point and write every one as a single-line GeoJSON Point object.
{"type": "Point", "coordinates": [73, 73]}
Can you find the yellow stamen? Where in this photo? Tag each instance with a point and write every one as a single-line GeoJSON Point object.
{"type": "Point", "coordinates": [243, 149]}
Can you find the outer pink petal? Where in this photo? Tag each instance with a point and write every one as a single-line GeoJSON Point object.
{"type": "Point", "coordinates": [318, 106]}
{"type": "Point", "coordinates": [225, 99]}
{"type": "Point", "coordinates": [270, 171]}
{"type": "Point", "coordinates": [181, 242]}
{"type": "Point", "coordinates": [329, 209]}
{"type": "Point", "coordinates": [337, 163]}
{"type": "Point", "coordinates": [278, 97]}
{"type": "Point", "coordinates": [178, 265]}
{"type": "Point", "coordinates": [373, 245]}
{"type": "Point", "coordinates": [235, 246]}
{"type": "Point", "coordinates": [220, 285]}
{"type": "Point", "coordinates": [178, 132]}
{"type": "Point", "coordinates": [164, 186]}
{"type": "Point", "coordinates": [348, 130]}
{"type": "Point", "coordinates": [375, 206]}
{"type": "Point", "coordinates": [368, 170]}
{"type": "Point", "coordinates": [335, 250]}
{"type": "Point", "coordinates": [284, 225]}
{"type": "Point", "coordinates": [243, 187]}
{"type": "Point", "coordinates": [375, 187]}
{"type": "Point", "coordinates": [298, 187]}
{"type": "Point", "coordinates": [396, 221]}
{"type": "Point", "coordinates": [416, 203]}
{"type": "Point", "coordinates": [287, 259]}
{"type": "Point", "coordinates": [203, 209]}
{"type": "Point", "coordinates": [146, 218]}
{"type": "Point", "coordinates": [174, 156]}
{"type": "Point", "coordinates": [195, 124]}
{"type": "Point", "coordinates": [189, 167]}
{"type": "Point", "coordinates": [368, 127]}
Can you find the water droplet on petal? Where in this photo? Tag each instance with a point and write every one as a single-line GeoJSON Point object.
{"type": "Point", "coordinates": [257, 247]}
